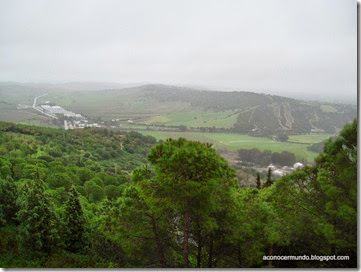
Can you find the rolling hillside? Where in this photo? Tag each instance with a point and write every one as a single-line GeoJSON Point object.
{"type": "Point", "coordinates": [241, 112]}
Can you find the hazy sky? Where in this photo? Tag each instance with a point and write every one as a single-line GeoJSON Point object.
{"type": "Point", "coordinates": [265, 45]}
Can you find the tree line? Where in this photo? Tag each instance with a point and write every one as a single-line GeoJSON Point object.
{"type": "Point", "coordinates": [264, 158]}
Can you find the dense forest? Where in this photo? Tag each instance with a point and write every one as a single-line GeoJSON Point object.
{"type": "Point", "coordinates": [99, 198]}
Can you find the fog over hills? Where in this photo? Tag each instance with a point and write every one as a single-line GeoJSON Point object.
{"type": "Point", "coordinates": [88, 86]}
{"type": "Point", "coordinates": [344, 98]}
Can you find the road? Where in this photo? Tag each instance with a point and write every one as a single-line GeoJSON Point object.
{"type": "Point", "coordinates": [36, 98]}
{"type": "Point", "coordinates": [39, 109]}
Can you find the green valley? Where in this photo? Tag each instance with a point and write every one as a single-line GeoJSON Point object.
{"type": "Point", "coordinates": [297, 144]}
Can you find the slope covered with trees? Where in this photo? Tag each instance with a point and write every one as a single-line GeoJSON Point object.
{"type": "Point", "coordinates": [95, 198]}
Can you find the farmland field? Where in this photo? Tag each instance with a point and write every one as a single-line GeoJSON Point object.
{"type": "Point", "coordinates": [9, 113]}
{"type": "Point", "coordinates": [233, 142]}
{"type": "Point", "coordinates": [223, 119]}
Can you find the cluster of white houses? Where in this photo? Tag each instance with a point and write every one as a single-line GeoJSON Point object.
{"type": "Point", "coordinates": [72, 124]}
{"type": "Point", "coordinates": [277, 171]}
{"type": "Point", "coordinates": [71, 120]}
{"type": "Point", "coordinates": [285, 169]}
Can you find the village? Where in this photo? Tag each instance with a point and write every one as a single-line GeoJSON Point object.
{"type": "Point", "coordinates": [284, 170]}
{"type": "Point", "coordinates": [277, 171]}
{"type": "Point", "coordinates": [71, 120]}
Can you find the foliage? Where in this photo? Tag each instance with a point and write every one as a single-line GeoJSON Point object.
{"type": "Point", "coordinates": [8, 204]}
{"type": "Point", "coordinates": [104, 203]}
{"type": "Point", "coordinates": [188, 175]}
{"type": "Point", "coordinates": [258, 181]}
{"type": "Point", "coordinates": [267, 157]}
{"type": "Point", "coordinates": [38, 222]}
{"type": "Point", "coordinates": [269, 180]}
{"type": "Point", "coordinates": [74, 223]}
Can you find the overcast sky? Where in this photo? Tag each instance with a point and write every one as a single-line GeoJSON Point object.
{"type": "Point", "coordinates": [261, 45]}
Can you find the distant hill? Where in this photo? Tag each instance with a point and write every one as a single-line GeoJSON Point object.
{"type": "Point", "coordinates": [258, 112]}
{"type": "Point", "coordinates": [244, 112]}
{"type": "Point", "coordinates": [74, 86]}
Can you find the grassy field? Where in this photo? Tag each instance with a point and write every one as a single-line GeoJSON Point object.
{"type": "Point", "coordinates": [223, 119]}
{"type": "Point", "coordinates": [233, 142]}
{"type": "Point", "coordinates": [308, 138]}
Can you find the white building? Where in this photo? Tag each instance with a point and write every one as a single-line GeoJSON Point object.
{"type": "Point", "coordinates": [278, 172]}
{"type": "Point", "coordinates": [298, 165]}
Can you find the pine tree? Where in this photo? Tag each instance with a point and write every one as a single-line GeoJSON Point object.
{"type": "Point", "coordinates": [258, 181]}
{"type": "Point", "coordinates": [188, 174]}
{"type": "Point", "coordinates": [38, 222]}
{"type": "Point", "coordinates": [74, 222]}
{"type": "Point", "coordinates": [269, 180]}
{"type": "Point", "coordinates": [8, 205]}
